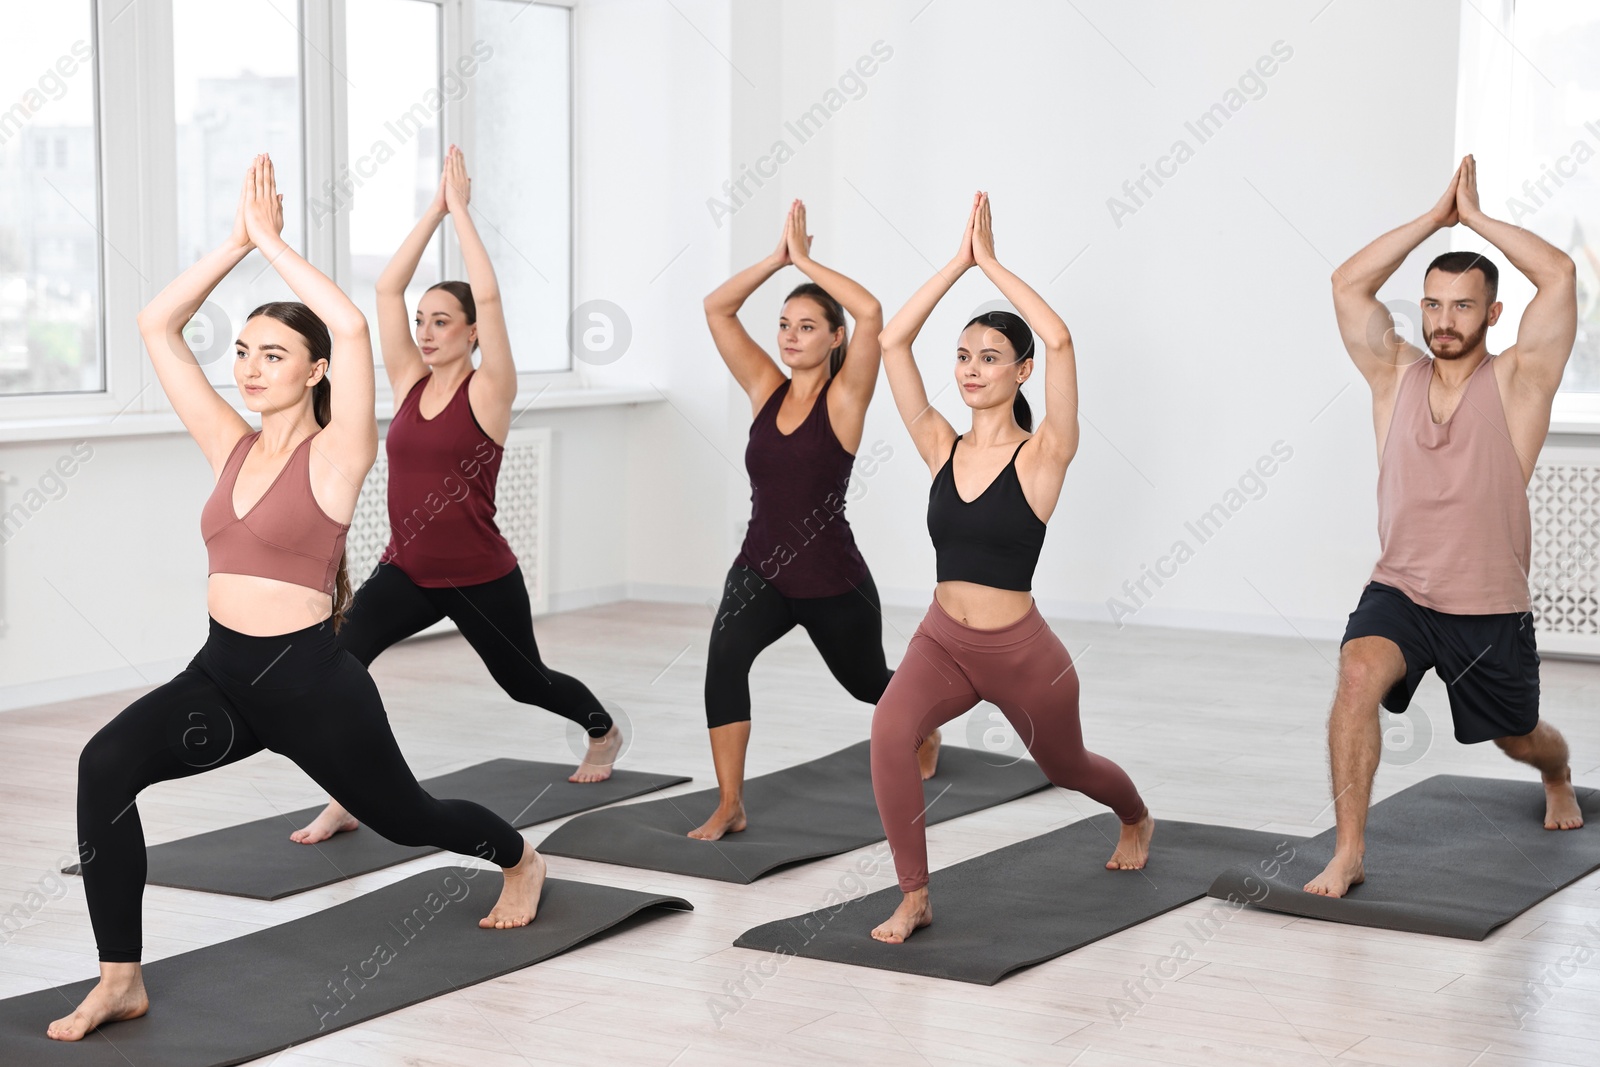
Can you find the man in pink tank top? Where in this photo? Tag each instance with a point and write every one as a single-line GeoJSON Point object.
{"type": "Point", "coordinates": [1458, 434]}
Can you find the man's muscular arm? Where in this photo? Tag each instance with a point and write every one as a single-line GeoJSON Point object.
{"type": "Point", "coordinates": [1550, 323]}
{"type": "Point", "coordinates": [1364, 323]}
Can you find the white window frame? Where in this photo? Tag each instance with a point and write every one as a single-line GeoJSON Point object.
{"type": "Point", "coordinates": [137, 161]}
{"type": "Point", "coordinates": [1486, 69]}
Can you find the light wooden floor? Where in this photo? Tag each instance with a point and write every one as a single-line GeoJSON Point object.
{"type": "Point", "coordinates": [1213, 728]}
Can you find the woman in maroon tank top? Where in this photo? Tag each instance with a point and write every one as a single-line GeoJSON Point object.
{"type": "Point", "coordinates": [446, 557]}
{"type": "Point", "coordinates": [799, 565]}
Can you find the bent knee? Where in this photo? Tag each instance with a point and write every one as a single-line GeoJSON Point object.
{"type": "Point", "coordinates": [1069, 772]}
{"type": "Point", "coordinates": [894, 726]}
{"type": "Point", "coordinates": [1370, 668]}
{"type": "Point", "coordinates": [728, 654]}
{"type": "Point", "coordinates": [102, 766]}
{"type": "Point", "coordinates": [407, 833]}
{"type": "Point", "coordinates": [534, 694]}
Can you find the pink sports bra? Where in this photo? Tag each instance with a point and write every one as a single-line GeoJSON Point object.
{"type": "Point", "coordinates": [286, 535]}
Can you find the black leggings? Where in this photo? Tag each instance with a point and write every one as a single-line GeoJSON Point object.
{"type": "Point", "coordinates": [847, 629]}
{"type": "Point", "coordinates": [298, 694]}
{"type": "Point", "coordinates": [497, 622]}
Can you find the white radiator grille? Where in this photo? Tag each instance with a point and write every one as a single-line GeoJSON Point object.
{"type": "Point", "coordinates": [521, 500]}
{"type": "Point", "coordinates": [1564, 500]}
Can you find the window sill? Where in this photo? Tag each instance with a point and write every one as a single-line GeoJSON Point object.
{"type": "Point", "coordinates": [157, 423]}
{"type": "Point", "coordinates": [1576, 413]}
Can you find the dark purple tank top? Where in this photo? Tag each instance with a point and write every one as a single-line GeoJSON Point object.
{"type": "Point", "coordinates": [442, 474]}
{"type": "Point", "coordinates": [799, 540]}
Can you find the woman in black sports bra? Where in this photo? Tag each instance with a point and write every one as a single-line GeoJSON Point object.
{"type": "Point", "coordinates": [983, 637]}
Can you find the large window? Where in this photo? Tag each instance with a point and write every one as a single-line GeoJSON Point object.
{"type": "Point", "coordinates": [104, 198]}
{"type": "Point", "coordinates": [522, 185]}
{"type": "Point", "coordinates": [392, 143]}
{"type": "Point", "coordinates": [1530, 113]}
{"type": "Point", "coordinates": [229, 104]}
{"type": "Point", "coordinates": [49, 203]}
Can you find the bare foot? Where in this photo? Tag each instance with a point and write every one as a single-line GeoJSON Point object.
{"type": "Point", "coordinates": [120, 995]}
{"type": "Point", "coordinates": [1338, 876]}
{"type": "Point", "coordinates": [912, 915]}
{"type": "Point", "coordinates": [1133, 846]}
{"type": "Point", "coordinates": [333, 820]}
{"type": "Point", "coordinates": [928, 756]}
{"type": "Point", "coordinates": [1561, 811]}
{"type": "Point", "coordinates": [519, 898]}
{"type": "Point", "coordinates": [725, 820]}
{"type": "Point", "coordinates": [603, 752]}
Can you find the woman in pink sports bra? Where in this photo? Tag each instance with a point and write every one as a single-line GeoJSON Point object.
{"type": "Point", "coordinates": [446, 440]}
{"type": "Point", "coordinates": [271, 674]}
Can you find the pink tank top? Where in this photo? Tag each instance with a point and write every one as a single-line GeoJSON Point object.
{"type": "Point", "coordinates": [442, 475]}
{"type": "Point", "coordinates": [1452, 503]}
{"type": "Point", "coordinates": [285, 535]}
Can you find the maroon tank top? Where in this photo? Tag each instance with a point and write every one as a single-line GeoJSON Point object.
{"type": "Point", "coordinates": [799, 540]}
{"type": "Point", "coordinates": [442, 474]}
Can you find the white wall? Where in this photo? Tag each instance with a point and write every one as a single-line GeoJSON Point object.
{"type": "Point", "coordinates": [653, 115]}
{"type": "Point", "coordinates": [1203, 323]}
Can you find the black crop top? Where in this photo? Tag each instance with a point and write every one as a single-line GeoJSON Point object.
{"type": "Point", "coordinates": [994, 540]}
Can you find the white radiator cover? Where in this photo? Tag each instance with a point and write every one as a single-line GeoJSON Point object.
{"type": "Point", "coordinates": [522, 506]}
{"type": "Point", "coordinates": [1564, 502]}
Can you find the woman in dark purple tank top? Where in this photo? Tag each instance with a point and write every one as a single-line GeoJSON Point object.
{"type": "Point", "coordinates": [799, 565]}
{"type": "Point", "coordinates": [446, 556]}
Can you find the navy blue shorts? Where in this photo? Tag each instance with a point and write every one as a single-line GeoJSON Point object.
{"type": "Point", "coordinates": [1489, 663]}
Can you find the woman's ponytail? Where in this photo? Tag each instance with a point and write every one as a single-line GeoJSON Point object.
{"type": "Point", "coordinates": [1022, 412]}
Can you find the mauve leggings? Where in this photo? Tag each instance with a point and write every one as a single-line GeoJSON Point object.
{"type": "Point", "coordinates": [1025, 671]}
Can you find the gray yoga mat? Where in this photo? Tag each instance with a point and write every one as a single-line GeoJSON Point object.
{"type": "Point", "coordinates": [805, 812]}
{"type": "Point", "coordinates": [1029, 902]}
{"type": "Point", "coordinates": [257, 994]}
{"type": "Point", "coordinates": [257, 859]}
{"type": "Point", "coordinates": [1452, 856]}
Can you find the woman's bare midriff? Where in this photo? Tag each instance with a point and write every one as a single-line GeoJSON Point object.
{"type": "Point", "coordinates": [264, 607]}
{"type": "Point", "coordinates": [983, 607]}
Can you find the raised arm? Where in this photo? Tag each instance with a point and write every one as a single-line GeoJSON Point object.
{"type": "Point", "coordinates": [1550, 323]}
{"type": "Point", "coordinates": [859, 375]}
{"type": "Point", "coordinates": [210, 420]}
{"type": "Point", "coordinates": [396, 341]}
{"type": "Point", "coordinates": [755, 371]}
{"type": "Point", "coordinates": [494, 387]}
{"type": "Point", "coordinates": [1057, 437]}
{"type": "Point", "coordinates": [930, 431]}
{"type": "Point", "coordinates": [349, 443]}
{"type": "Point", "coordinates": [1364, 323]}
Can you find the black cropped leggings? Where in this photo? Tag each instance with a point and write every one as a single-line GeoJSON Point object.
{"type": "Point", "coordinates": [298, 694]}
{"type": "Point", "coordinates": [847, 630]}
{"type": "Point", "coordinates": [495, 618]}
